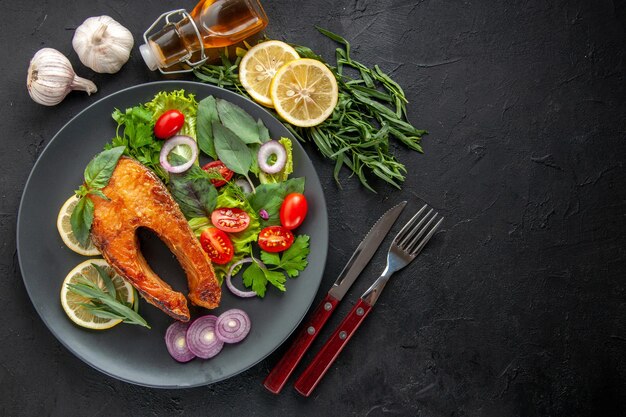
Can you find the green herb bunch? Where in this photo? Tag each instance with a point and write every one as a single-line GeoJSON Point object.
{"type": "Point", "coordinates": [371, 109]}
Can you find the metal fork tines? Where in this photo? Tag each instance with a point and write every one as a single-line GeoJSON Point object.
{"type": "Point", "coordinates": [407, 244]}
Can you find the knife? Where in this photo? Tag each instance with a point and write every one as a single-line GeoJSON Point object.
{"type": "Point", "coordinates": [277, 378]}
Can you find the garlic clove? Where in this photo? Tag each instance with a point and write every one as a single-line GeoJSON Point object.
{"type": "Point", "coordinates": [51, 77]}
{"type": "Point", "coordinates": [103, 44]}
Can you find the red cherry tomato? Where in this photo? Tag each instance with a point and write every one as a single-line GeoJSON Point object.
{"type": "Point", "coordinates": [231, 220]}
{"type": "Point", "coordinates": [219, 167]}
{"type": "Point", "coordinates": [275, 239]}
{"type": "Point", "coordinates": [168, 124]}
{"type": "Point", "coordinates": [293, 210]}
{"type": "Point", "coordinates": [217, 245]}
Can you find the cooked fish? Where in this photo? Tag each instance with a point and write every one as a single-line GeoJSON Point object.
{"type": "Point", "coordinates": [137, 198]}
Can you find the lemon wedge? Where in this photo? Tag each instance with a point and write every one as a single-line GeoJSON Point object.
{"type": "Point", "coordinates": [304, 92]}
{"type": "Point", "coordinates": [259, 65]}
{"type": "Point", "coordinates": [65, 229]}
{"type": "Point", "coordinates": [72, 303]}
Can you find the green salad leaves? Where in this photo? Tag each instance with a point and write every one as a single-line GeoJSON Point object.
{"type": "Point", "coordinates": [223, 131]}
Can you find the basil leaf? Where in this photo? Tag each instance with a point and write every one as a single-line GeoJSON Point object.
{"type": "Point", "coordinates": [231, 150]}
{"type": "Point", "coordinates": [81, 220]}
{"type": "Point", "coordinates": [99, 170]}
{"type": "Point", "coordinates": [254, 152]}
{"type": "Point", "coordinates": [207, 114]}
{"type": "Point", "coordinates": [195, 197]}
{"type": "Point", "coordinates": [99, 193]}
{"type": "Point", "coordinates": [238, 121]}
{"type": "Point", "coordinates": [270, 197]}
{"type": "Point", "coordinates": [264, 134]}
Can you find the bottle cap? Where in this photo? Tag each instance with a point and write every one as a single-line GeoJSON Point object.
{"type": "Point", "coordinates": [148, 57]}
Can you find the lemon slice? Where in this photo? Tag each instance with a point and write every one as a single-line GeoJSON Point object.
{"type": "Point", "coordinates": [65, 229]}
{"type": "Point", "coordinates": [71, 302]}
{"type": "Point", "coordinates": [259, 65]}
{"type": "Point", "coordinates": [304, 92]}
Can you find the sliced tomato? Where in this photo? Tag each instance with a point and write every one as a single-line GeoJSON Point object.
{"type": "Point", "coordinates": [217, 245]}
{"type": "Point", "coordinates": [220, 168]}
{"type": "Point", "coordinates": [168, 124]}
{"type": "Point", "coordinates": [231, 220]}
{"type": "Point", "coordinates": [293, 210]}
{"type": "Point", "coordinates": [275, 239]}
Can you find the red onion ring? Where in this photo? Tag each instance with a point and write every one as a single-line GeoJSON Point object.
{"type": "Point", "coordinates": [273, 147]}
{"type": "Point", "coordinates": [176, 343]}
{"type": "Point", "coordinates": [231, 286]}
{"type": "Point", "coordinates": [171, 144]}
{"type": "Point", "coordinates": [244, 185]}
{"type": "Point", "coordinates": [232, 326]}
{"type": "Point", "coordinates": [202, 338]}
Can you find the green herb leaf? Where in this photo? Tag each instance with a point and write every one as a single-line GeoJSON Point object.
{"type": "Point", "coordinates": [108, 283]}
{"type": "Point", "coordinates": [257, 278]}
{"type": "Point", "coordinates": [271, 196]}
{"type": "Point", "coordinates": [238, 121]}
{"type": "Point", "coordinates": [97, 295]}
{"type": "Point", "coordinates": [99, 170]}
{"type": "Point", "coordinates": [270, 258]}
{"type": "Point", "coordinates": [254, 278]}
{"type": "Point", "coordinates": [293, 260]}
{"type": "Point", "coordinates": [264, 134]}
{"type": "Point", "coordinates": [207, 114]}
{"type": "Point", "coordinates": [276, 278]}
{"type": "Point", "coordinates": [231, 150]}
{"type": "Point", "coordinates": [98, 193]}
{"type": "Point", "coordinates": [196, 197]}
{"type": "Point", "coordinates": [81, 220]}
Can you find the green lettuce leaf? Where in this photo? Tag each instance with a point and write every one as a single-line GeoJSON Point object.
{"type": "Point", "coordinates": [176, 100]}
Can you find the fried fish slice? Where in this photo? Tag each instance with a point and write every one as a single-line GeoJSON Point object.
{"type": "Point", "coordinates": [137, 198]}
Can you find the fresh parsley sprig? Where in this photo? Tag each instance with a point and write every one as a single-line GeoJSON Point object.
{"type": "Point", "coordinates": [290, 262]}
{"type": "Point", "coordinates": [97, 175]}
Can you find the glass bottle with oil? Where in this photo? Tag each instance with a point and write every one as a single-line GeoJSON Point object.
{"type": "Point", "coordinates": [188, 37]}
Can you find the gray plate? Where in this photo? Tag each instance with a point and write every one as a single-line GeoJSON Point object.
{"type": "Point", "coordinates": [131, 353]}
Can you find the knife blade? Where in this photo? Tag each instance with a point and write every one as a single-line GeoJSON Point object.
{"type": "Point", "coordinates": [279, 375]}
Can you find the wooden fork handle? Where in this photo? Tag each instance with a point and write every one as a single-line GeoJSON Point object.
{"type": "Point", "coordinates": [313, 374]}
{"type": "Point", "coordinates": [276, 379]}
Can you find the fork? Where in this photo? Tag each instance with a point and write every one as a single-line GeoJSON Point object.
{"type": "Point", "coordinates": [405, 247]}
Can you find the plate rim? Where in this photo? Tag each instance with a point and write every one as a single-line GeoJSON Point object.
{"type": "Point", "coordinates": [165, 84]}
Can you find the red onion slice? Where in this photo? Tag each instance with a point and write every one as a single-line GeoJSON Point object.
{"type": "Point", "coordinates": [179, 140]}
{"type": "Point", "coordinates": [202, 338]}
{"type": "Point", "coordinates": [273, 147]}
{"type": "Point", "coordinates": [244, 185]}
{"type": "Point", "coordinates": [231, 286]}
{"type": "Point", "coordinates": [176, 343]}
{"type": "Point", "coordinates": [232, 326]}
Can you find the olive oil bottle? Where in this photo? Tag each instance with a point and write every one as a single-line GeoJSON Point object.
{"type": "Point", "coordinates": [211, 24]}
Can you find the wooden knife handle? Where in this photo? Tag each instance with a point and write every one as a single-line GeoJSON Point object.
{"type": "Point", "coordinates": [285, 367]}
{"type": "Point", "coordinates": [313, 374]}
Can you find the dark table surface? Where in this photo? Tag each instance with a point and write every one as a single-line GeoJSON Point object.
{"type": "Point", "coordinates": [516, 309]}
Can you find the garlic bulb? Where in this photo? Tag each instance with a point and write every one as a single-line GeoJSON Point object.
{"type": "Point", "coordinates": [51, 77]}
{"type": "Point", "coordinates": [102, 44]}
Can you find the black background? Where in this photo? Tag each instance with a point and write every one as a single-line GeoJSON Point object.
{"type": "Point", "coordinates": [515, 309]}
